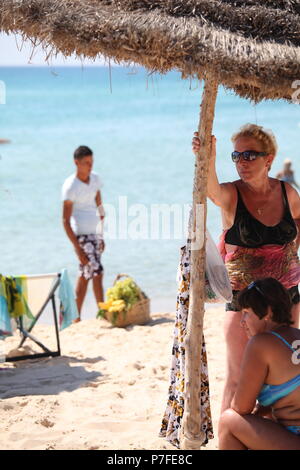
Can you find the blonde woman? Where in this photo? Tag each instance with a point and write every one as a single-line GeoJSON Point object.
{"type": "Point", "coordinates": [261, 221]}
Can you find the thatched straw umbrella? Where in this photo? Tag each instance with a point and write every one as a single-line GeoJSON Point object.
{"type": "Point", "coordinates": [249, 46]}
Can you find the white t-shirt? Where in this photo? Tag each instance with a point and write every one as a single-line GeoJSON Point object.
{"type": "Point", "coordinates": [85, 219]}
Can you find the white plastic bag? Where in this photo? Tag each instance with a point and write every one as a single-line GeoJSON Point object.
{"type": "Point", "coordinates": [217, 283]}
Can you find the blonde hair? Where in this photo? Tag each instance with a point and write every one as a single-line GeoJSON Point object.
{"type": "Point", "coordinates": [265, 137]}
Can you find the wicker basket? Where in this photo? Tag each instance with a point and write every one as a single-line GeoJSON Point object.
{"type": "Point", "coordinates": [138, 314]}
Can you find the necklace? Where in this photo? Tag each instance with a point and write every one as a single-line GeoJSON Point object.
{"type": "Point", "coordinates": [260, 210]}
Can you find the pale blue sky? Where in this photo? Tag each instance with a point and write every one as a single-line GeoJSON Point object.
{"type": "Point", "coordinates": [14, 52]}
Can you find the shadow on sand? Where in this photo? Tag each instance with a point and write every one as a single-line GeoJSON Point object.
{"type": "Point", "coordinates": [49, 376]}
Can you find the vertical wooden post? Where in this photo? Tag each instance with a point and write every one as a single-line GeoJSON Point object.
{"type": "Point", "coordinates": [191, 435]}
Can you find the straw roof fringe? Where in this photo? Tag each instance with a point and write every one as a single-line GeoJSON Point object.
{"type": "Point", "coordinates": [250, 46]}
{"type": "Point", "coordinates": [256, 20]}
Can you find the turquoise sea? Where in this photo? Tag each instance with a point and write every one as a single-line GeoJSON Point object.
{"type": "Point", "coordinates": [140, 129]}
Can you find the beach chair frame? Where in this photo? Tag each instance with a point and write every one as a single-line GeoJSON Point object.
{"type": "Point", "coordinates": [26, 333]}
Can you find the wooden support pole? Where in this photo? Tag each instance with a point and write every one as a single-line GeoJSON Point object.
{"type": "Point", "coordinates": [191, 435]}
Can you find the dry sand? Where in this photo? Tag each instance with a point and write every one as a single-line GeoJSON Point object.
{"type": "Point", "coordinates": [108, 390]}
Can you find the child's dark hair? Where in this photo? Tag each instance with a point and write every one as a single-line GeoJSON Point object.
{"type": "Point", "coordinates": [81, 152]}
{"type": "Point", "coordinates": [264, 293]}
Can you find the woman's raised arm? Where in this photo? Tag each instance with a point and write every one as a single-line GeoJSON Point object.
{"type": "Point", "coordinates": [221, 194]}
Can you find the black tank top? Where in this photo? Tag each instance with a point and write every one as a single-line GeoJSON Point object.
{"type": "Point", "coordinates": [248, 232]}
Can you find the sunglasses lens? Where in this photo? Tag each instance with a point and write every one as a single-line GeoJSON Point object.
{"type": "Point", "coordinates": [251, 156]}
{"type": "Point", "coordinates": [247, 156]}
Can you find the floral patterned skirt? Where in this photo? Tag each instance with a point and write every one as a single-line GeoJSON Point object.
{"type": "Point", "coordinates": [92, 246]}
{"type": "Point", "coordinates": [171, 423]}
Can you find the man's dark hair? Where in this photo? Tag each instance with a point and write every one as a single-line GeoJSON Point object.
{"type": "Point", "coordinates": [264, 293]}
{"type": "Point", "coordinates": [81, 152]}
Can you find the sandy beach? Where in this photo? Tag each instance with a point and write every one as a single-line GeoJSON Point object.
{"type": "Point", "coordinates": [108, 390]}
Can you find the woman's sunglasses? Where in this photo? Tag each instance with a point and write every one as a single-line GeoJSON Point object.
{"type": "Point", "coordinates": [248, 155]}
{"type": "Point", "coordinates": [253, 284]}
